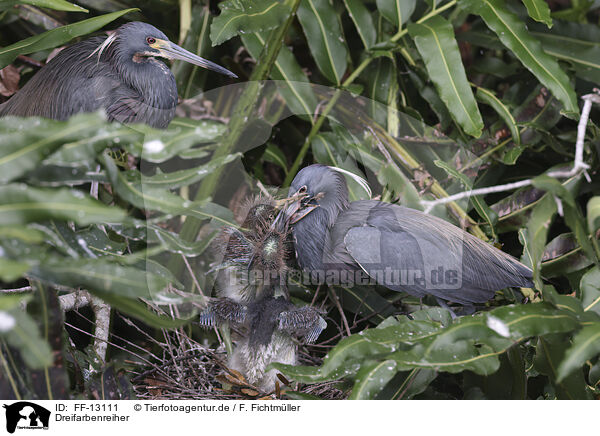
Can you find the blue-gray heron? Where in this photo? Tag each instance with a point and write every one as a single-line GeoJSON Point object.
{"type": "Point", "coordinates": [119, 73]}
{"type": "Point", "coordinates": [400, 248]}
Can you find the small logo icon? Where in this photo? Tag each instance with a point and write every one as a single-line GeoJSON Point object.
{"type": "Point", "coordinates": [26, 415]}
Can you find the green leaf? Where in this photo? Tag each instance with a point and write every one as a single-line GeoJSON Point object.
{"type": "Point", "coordinates": [438, 48]}
{"type": "Point", "coordinates": [136, 193]}
{"type": "Point", "coordinates": [100, 275]}
{"type": "Point", "coordinates": [275, 155]}
{"type": "Point", "coordinates": [24, 148]}
{"type": "Point", "coordinates": [526, 320]}
{"type": "Point", "coordinates": [482, 209]}
{"type": "Point", "coordinates": [22, 333]}
{"type": "Point", "coordinates": [325, 38]}
{"type": "Point", "coordinates": [140, 311]}
{"type": "Point", "coordinates": [180, 178]}
{"type": "Point", "coordinates": [555, 187]}
{"type": "Point", "coordinates": [363, 21]}
{"type": "Point", "coordinates": [590, 290]}
{"type": "Point", "coordinates": [576, 43]}
{"type": "Point", "coordinates": [11, 270]}
{"type": "Point", "coordinates": [247, 16]}
{"type": "Point", "coordinates": [488, 97]}
{"type": "Point", "coordinates": [174, 243]}
{"type": "Point", "coordinates": [585, 346]}
{"type": "Point", "coordinates": [593, 214]}
{"type": "Point", "coordinates": [57, 5]}
{"type": "Point", "coordinates": [534, 236]}
{"type": "Point", "coordinates": [513, 34]}
{"type": "Point", "coordinates": [372, 378]}
{"type": "Point", "coordinates": [396, 12]}
{"type": "Point", "coordinates": [21, 204]}
{"type": "Point", "coordinates": [539, 11]}
{"type": "Point", "coordinates": [59, 36]}
{"type": "Point", "coordinates": [550, 351]}
{"type": "Point", "coordinates": [300, 98]}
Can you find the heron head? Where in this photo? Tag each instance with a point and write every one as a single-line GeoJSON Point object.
{"type": "Point", "coordinates": [141, 40]}
{"type": "Point", "coordinates": [317, 187]}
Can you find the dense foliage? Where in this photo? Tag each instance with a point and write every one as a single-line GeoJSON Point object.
{"type": "Point", "coordinates": [426, 98]}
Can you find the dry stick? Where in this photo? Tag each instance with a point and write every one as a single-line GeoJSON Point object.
{"type": "Point", "coordinates": [158, 368]}
{"type": "Point", "coordinates": [578, 165]}
{"type": "Point", "coordinates": [16, 290]}
{"type": "Point", "coordinates": [339, 307]}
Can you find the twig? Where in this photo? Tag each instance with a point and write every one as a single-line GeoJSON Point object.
{"type": "Point", "coordinates": [339, 307]}
{"type": "Point", "coordinates": [74, 300]}
{"type": "Point", "coordinates": [579, 166]}
{"type": "Point", "coordinates": [102, 327]}
{"type": "Point", "coordinates": [16, 290]}
{"type": "Point", "coordinates": [189, 268]}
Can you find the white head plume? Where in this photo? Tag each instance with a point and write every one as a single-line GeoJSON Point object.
{"type": "Point", "coordinates": [362, 182]}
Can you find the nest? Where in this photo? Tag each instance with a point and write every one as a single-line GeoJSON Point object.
{"type": "Point", "coordinates": [191, 371]}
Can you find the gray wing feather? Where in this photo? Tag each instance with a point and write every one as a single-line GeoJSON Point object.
{"type": "Point", "coordinates": [221, 310]}
{"type": "Point", "coordinates": [442, 260]}
{"type": "Point", "coordinates": [304, 321]}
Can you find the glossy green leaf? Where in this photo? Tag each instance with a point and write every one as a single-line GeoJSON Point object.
{"type": "Point", "coordinates": [246, 16]}
{"type": "Point", "coordinates": [175, 244]}
{"type": "Point", "coordinates": [99, 275]}
{"type": "Point", "coordinates": [22, 204]}
{"type": "Point", "coordinates": [325, 38]}
{"type": "Point", "coordinates": [23, 149]}
{"type": "Point", "coordinates": [488, 97]}
{"type": "Point", "coordinates": [526, 48]}
{"type": "Point", "coordinates": [585, 346]}
{"type": "Point", "coordinates": [299, 97]}
{"type": "Point", "coordinates": [55, 37]}
{"type": "Point", "coordinates": [363, 21]}
{"type": "Point", "coordinates": [372, 378]}
{"type": "Point", "coordinates": [590, 290]}
{"type": "Point", "coordinates": [11, 270]}
{"type": "Point", "coordinates": [438, 48]}
{"type": "Point", "coordinates": [550, 352]}
{"type": "Point", "coordinates": [593, 214]}
{"type": "Point", "coordinates": [575, 43]}
{"type": "Point", "coordinates": [539, 11]}
{"type": "Point", "coordinates": [136, 193]}
{"type": "Point", "coordinates": [177, 179]}
{"type": "Point", "coordinates": [57, 5]}
{"type": "Point", "coordinates": [534, 236]}
{"type": "Point", "coordinates": [396, 12]}
{"type": "Point", "coordinates": [21, 332]}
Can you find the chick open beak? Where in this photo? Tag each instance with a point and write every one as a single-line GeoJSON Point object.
{"type": "Point", "coordinates": [172, 51]}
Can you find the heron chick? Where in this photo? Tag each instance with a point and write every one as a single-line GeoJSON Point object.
{"type": "Point", "coordinates": [119, 73]}
{"type": "Point", "coordinates": [253, 259]}
{"type": "Point", "coordinates": [270, 326]}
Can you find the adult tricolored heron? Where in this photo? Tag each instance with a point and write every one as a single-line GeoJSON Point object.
{"type": "Point", "coordinates": [119, 73]}
{"type": "Point", "coordinates": [394, 246]}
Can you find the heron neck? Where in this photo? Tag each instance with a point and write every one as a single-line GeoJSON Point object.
{"type": "Point", "coordinates": [151, 78]}
{"type": "Point", "coordinates": [311, 235]}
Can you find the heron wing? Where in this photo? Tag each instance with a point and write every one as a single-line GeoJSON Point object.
{"type": "Point", "coordinates": [304, 321]}
{"type": "Point", "coordinates": [221, 310]}
{"type": "Point", "coordinates": [407, 250]}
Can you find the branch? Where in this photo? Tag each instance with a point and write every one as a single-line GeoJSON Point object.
{"type": "Point", "coordinates": [579, 166]}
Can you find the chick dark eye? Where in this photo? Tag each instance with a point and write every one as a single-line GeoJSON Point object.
{"type": "Point", "coordinates": [150, 40]}
{"type": "Point", "coordinates": [302, 190]}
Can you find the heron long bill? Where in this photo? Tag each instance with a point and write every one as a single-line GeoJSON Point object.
{"type": "Point", "coordinates": [171, 50]}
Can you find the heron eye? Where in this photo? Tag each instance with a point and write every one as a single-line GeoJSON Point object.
{"type": "Point", "coordinates": [302, 190]}
{"type": "Point", "coordinates": [150, 40]}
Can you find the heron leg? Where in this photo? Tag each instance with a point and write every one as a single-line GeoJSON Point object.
{"type": "Point", "coordinates": [443, 304]}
